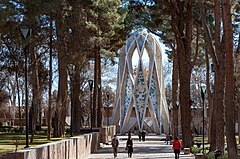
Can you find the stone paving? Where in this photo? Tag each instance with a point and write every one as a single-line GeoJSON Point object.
{"type": "Point", "coordinates": [154, 147]}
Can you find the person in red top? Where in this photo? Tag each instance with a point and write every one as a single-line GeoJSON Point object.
{"type": "Point", "coordinates": [177, 147]}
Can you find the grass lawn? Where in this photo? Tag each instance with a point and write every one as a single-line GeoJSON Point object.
{"type": "Point", "coordinates": [8, 140]}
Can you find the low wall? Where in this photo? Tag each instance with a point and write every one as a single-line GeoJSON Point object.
{"type": "Point", "coordinates": [78, 147]}
{"type": "Point", "coordinates": [107, 133]}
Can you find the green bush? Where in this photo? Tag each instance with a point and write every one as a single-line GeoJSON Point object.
{"type": "Point", "coordinates": [195, 150]}
{"type": "Point", "coordinates": [225, 156]}
{"type": "Point", "coordinates": [209, 155]}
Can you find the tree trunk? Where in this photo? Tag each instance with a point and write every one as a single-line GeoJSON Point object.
{"type": "Point", "coordinates": [229, 91]}
{"type": "Point", "coordinates": [209, 95]}
{"type": "Point", "coordinates": [94, 111]}
{"type": "Point", "coordinates": [49, 117]}
{"type": "Point", "coordinates": [185, 67]}
{"type": "Point", "coordinates": [77, 55]}
{"type": "Point", "coordinates": [182, 27]}
{"type": "Point", "coordinates": [184, 76]}
{"type": "Point", "coordinates": [99, 113]}
{"type": "Point", "coordinates": [218, 107]}
{"type": "Point", "coordinates": [217, 123]}
{"type": "Point", "coordinates": [237, 84]}
{"type": "Point", "coordinates": [219, 80]}
{"type": "Point", "coordinates": [175, 94]}
{"type": "Point", "coordinates": [60, 114]}
{"type": "Point", "coordinates": [77, 112]}
{"type": "Point", "coordinates": [36, 94]}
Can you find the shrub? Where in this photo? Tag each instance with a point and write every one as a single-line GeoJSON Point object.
{"type": "Point", "coordinates": [195, 150]}
{"type": "Point", "coordinates": [209, 155]}
{"type": "Point", "coordinates": [225, 156]}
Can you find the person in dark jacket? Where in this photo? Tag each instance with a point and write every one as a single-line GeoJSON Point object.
{"type": "Point", "coordinates": [169, 139]}
{"type": "Point", "coordinates": [115, 144]}
{"type": "Point", "coordinates": [143, 135]}
{"type": "Point", "coordinates": [177, 147]}
{"type": "Point", "coordinates": [129, 145]}
{"type": "Point", "coordinates": [139, 135]}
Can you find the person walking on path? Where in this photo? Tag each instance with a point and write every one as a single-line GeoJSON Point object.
{"type": "Point", "coordinates": [143, 135]}
{"type": "Point", "coordinates": [139, 135]}
{"type": "Point", "coordinates": [168, 139]}
{"type": "Point", "coordinates": [177, 147]}
{"type": "Point", "coordinates": [115, 144]}
{"type": "Point", "coordinates": [129, 145]}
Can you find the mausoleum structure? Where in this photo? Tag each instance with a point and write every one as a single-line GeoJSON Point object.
{"type": "Point", "coordinates": [140, 102]}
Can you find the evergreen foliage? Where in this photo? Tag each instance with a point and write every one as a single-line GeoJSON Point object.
{"type": "Point", "coordinates": [84, 26]}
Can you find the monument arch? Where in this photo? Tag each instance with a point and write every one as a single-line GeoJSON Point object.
{"type": "Point", "coordinates": [140, 102]}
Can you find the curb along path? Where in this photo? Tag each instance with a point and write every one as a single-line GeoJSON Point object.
{"type": "Point", "coordinates": [154, 147]}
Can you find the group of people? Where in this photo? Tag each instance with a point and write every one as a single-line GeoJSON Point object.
{"type": "Point", "coordinates": [141, 135]}
{"type": "Point", "coordinates": [176, 145]}
{"type": "Point", "coordinates": [129, 145]}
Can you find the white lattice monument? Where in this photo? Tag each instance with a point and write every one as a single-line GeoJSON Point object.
{"type": "Point", "coordinates": [140, 86]}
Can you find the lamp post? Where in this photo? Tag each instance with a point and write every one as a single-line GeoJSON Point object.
{"type": "Point", "coordinates": [90, 83]}
{"type": "Point", "coordinates": [26, 31]}
{"type": "Point", "coordinates": [203, 91]}
{"type": "Point", "coordinates": [108, 96]}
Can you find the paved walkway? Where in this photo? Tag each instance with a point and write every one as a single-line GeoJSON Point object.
{"type": "Point", "coordinates": [153, 148]}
